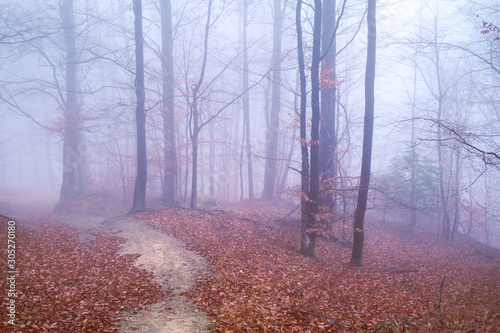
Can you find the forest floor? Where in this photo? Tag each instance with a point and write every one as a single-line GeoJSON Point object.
{"type": "Point", "coordinates": [96, 269]}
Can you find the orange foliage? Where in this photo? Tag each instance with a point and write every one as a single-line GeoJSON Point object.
{"type": "Point", "coordinates": [261, 284]}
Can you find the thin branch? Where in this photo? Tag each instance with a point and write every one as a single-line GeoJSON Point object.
{"type": "Point", "coordinates": [347, 303]}
{"type": "Point", "coordinates": [293, 211]}
{"type": "Point", "coordinates": [438, 308]}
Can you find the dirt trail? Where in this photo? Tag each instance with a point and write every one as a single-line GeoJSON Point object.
{"type": "Point", "coordinates": [175, 268]}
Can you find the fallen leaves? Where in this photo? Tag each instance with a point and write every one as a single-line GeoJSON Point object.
{"type": "Point", "coordinates": [260, 282]}
{"type": "Point", "coordinates": [64, 285]}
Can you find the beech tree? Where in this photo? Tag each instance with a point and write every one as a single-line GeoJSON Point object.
{"type": "Point", "coordinates": [305, 239]}
{"type": "Point", "coordinates": [246, 102]}
{"type": "Point", "coordinates": [195, 130]}
{"type": "Point", "coordinates": [139, 201]}
{"type": "Point", "coordinates": [317, 161]}
{"type": "Point", "coordinates": [65, 91]}
{"type": "Point", "coordinates": [74, 167]}
{"type": "Point", "coordinates": [272, 134]}
{"type": "Point", "coordinates": [170, 156]}
{"type": "Point", "coordinates": [328, 135]}
{"type": "Point", "coordinates": [310, 170]}
{"type": "Point", "coordinates": [440, 95]}
{"type": "Point", "coordinates": [198, 93]}
{"type": "Point", "coordinates": [364, 182]}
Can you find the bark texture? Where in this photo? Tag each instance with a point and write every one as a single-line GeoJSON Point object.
{"type": "Point", "coordinates": [139, 202]}
{"type": "Point", "coordinates": [364, 183]}
{"type": "Point", "coordinates": [168, 111]}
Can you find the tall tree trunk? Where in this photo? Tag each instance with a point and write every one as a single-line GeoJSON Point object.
{"type": "Point", "coordinates": [272, 139]}
{"type": "Point", "coordinates": [246, 102]}
{"type": "Point", "coordinates": [186, 151]}
{"type": "Point", "coordinates": [195, 115]}
{"type": "Point", "coordinates": [194, 142]}
{"type": "Point", "coordinates": [328, 138]}
{"type": "Point", "coordinates": [281, 187]}
{"type": "Point", "coordinates": [456, 217]}
{"type": "Point", "coordinates": [315, 120]}
{"type": "Point", "coordinates": [139, 202]}
{"type": "Point", "coordinates": [168, 111]}
{"type": "Point", "coordinates": [304, 235]}
{"type": "Point", "coordinates": [75, 171]}
{"type": "Point", "coordinates": [413, 158]}
{"type": "Point", "coordinates": [442, 196]}
{"type": "Point", "coordinates": [364, 182]}
{"type": "Point", "coordinates": [240, 164]}
{"type": "Point", "coordinates": [211, 162]}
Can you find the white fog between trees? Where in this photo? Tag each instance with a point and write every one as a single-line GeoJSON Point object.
{"type": "Point", "coordinates": [258, 100]}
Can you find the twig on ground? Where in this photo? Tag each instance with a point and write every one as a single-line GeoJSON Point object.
{"type": "Point", "coordinates": [438, 308]}
{"type": "Point", "coordinates": [347, 303]}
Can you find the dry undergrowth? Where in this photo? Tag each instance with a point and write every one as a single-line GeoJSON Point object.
{"type": "Point", "coordinates": [261, 284]}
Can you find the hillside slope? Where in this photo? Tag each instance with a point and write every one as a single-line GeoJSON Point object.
{"type": "Point", "coordinates": [260, 282]}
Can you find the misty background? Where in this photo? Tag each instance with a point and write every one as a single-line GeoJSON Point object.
{"type": "Point", "coordinates": [436, 137]}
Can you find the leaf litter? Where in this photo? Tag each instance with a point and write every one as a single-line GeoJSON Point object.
{"type": "Point", "coordinates": [259, 282]}
{"type": "Point", "coordinates": [95, 276]}
{"type": "Point", "coordinates": [95, 269]}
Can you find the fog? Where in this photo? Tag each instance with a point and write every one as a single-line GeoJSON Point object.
{"type": "Point", "coordinates": [437, 122]}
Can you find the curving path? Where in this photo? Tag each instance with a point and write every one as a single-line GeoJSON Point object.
{"type": "Point", "coordinates": [175, 268]}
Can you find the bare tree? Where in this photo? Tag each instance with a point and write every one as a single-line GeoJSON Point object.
{"type": "Point", "coordinates": [168, 112]}
{"type": "Point", "coordinates": [305, 239]}
{"type": "Point", "coordinates": [246, 102]}
{"type": "Point", "coordinates": [328, 136]}
{"type": "Point", "coordinates": [139, 202]}
{"type": "Point", "coordinates": [75, 170]}
{"type": "Point", "coordinates": [272, 139]}
{"type": "Point", "coordinates": [194, 133]}
{"type": "Point", "coordinates": [364, 183]}
{"type": "Point", "coordinates": [310, 169]}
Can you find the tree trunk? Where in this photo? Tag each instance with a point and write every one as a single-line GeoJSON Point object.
{"type": "Point", "coordinates": [310, 177]}
{"type": "Point", "coordinates": [281, 187]}
{"type": "Point", "coordinates": [139, 202]}
{"type": "Point", "coordinates": [168, 111]}
{"type": "Point", "coordinates": [211, 162]}
{"type": "Point", "coordinates": [194, 170]}
{"type": "Point", "coordinates": [246, 102]}
{"type": "Point", "coordinates": [75, 170]}
{"type": "Point", "coordinates": [304, 235]}
{"type": "Point", "coordinates": [443, 200]}
{"type": "Point", "coordinates": [315, 119]}
{"type": "Point", "coordinates": [328, 139]}
{"type": "Point", "coordinates": [364, 183]}
{"type": "Point", "coordinates": [270, 172]}
{"type": "Point", "coordinates": [195, 115]}
{"type": "Point", "coordinates": [240, 165]}
{"type": "Point", "coordinates": [456, 218]}
{"type": "Point", "coordinates": [413, 159]}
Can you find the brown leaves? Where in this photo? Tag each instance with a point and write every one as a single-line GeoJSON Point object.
{"type": "Point", "coordinates": [260, 284]}
{"type": "Point", "coordinates": [67, 286]}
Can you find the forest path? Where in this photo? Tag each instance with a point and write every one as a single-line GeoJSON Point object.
{"type": "Point", "coordinates": [175, 268]}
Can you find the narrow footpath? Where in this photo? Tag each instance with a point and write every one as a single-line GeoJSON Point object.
{"type": "Point", "coordinates": [175, 268]}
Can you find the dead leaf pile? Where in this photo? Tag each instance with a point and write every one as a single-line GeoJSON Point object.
{"type": "Point", "coordinates": [261, 284]}
{"type": "Point", "coordinates": [64, 285]}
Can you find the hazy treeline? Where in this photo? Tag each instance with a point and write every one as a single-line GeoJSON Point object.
{"type": "Point", "coordinates": [68, 101]}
